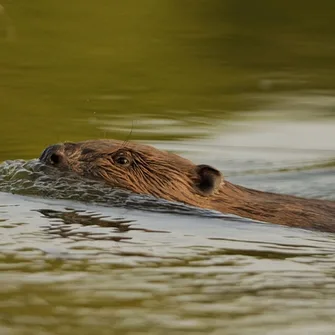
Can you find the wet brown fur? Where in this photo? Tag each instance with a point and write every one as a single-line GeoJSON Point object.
{"type": "Point", "coordinates": [171, 177]}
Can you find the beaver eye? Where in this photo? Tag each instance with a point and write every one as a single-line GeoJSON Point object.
{"type": "Point", "coordinates": [122, 160]}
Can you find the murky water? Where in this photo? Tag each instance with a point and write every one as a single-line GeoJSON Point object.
{"type": "Point", "coordinates": [133, 264]}
{"type": "Point", "coordinates": [246, 88]}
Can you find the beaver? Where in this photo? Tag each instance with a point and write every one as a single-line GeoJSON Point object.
{"type": "Point", "coordinates": [144, 169]}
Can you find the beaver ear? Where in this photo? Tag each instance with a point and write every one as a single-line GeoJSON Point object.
{"type": "Point", "coordinates": [209, 179]}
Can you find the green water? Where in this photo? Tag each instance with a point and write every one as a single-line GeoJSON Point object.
{"type": "Point", "coordinates": [94, 69]}
{"type": "Point", "coordinates": [246, 86]}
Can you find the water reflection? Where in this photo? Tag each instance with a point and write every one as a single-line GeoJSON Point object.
{"type": "Point", "coordinates": [109, 64]}
{"type": "Point", "coordinates": [203, 276]}
{"type": "Point", "coordinates": [168, 70]}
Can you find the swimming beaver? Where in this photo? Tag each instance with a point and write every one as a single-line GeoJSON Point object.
{"type": "Point", "coordinates": [147, 170]}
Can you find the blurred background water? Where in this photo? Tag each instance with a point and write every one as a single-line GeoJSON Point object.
{"type": "Point", "coordinates": [246, 86]}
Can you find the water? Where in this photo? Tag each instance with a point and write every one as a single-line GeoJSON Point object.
{"type": "Point", "coordinates": [246, 88]}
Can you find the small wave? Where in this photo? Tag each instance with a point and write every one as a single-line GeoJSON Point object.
{"type": "Point", "coordinates": [36, 179]}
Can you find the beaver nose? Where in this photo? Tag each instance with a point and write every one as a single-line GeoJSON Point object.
{"type": "Point", "coordinates": [52, 155]}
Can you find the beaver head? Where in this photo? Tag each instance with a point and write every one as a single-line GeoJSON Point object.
{"type": "Point", "coordinates": [138, 168]}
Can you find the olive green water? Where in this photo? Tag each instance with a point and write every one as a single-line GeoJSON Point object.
{"type": "Point", "coordinates": [246, 86]}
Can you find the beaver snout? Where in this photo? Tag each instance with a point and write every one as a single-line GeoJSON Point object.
{"type": "Point", "coordinates": [53, 155]}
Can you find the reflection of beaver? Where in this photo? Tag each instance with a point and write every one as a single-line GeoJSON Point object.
{"type": "Point", "coordinates": [146, 170]}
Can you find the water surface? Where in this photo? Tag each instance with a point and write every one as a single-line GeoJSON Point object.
{"type": "Point", "coordinates": [247, 87]}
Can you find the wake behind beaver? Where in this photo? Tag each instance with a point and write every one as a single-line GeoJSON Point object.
{"type": "Point", "coordinates": [144, 169]}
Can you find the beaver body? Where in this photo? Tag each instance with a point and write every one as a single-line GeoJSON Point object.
{"type": "Point", "coordinates": [146, 170]}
